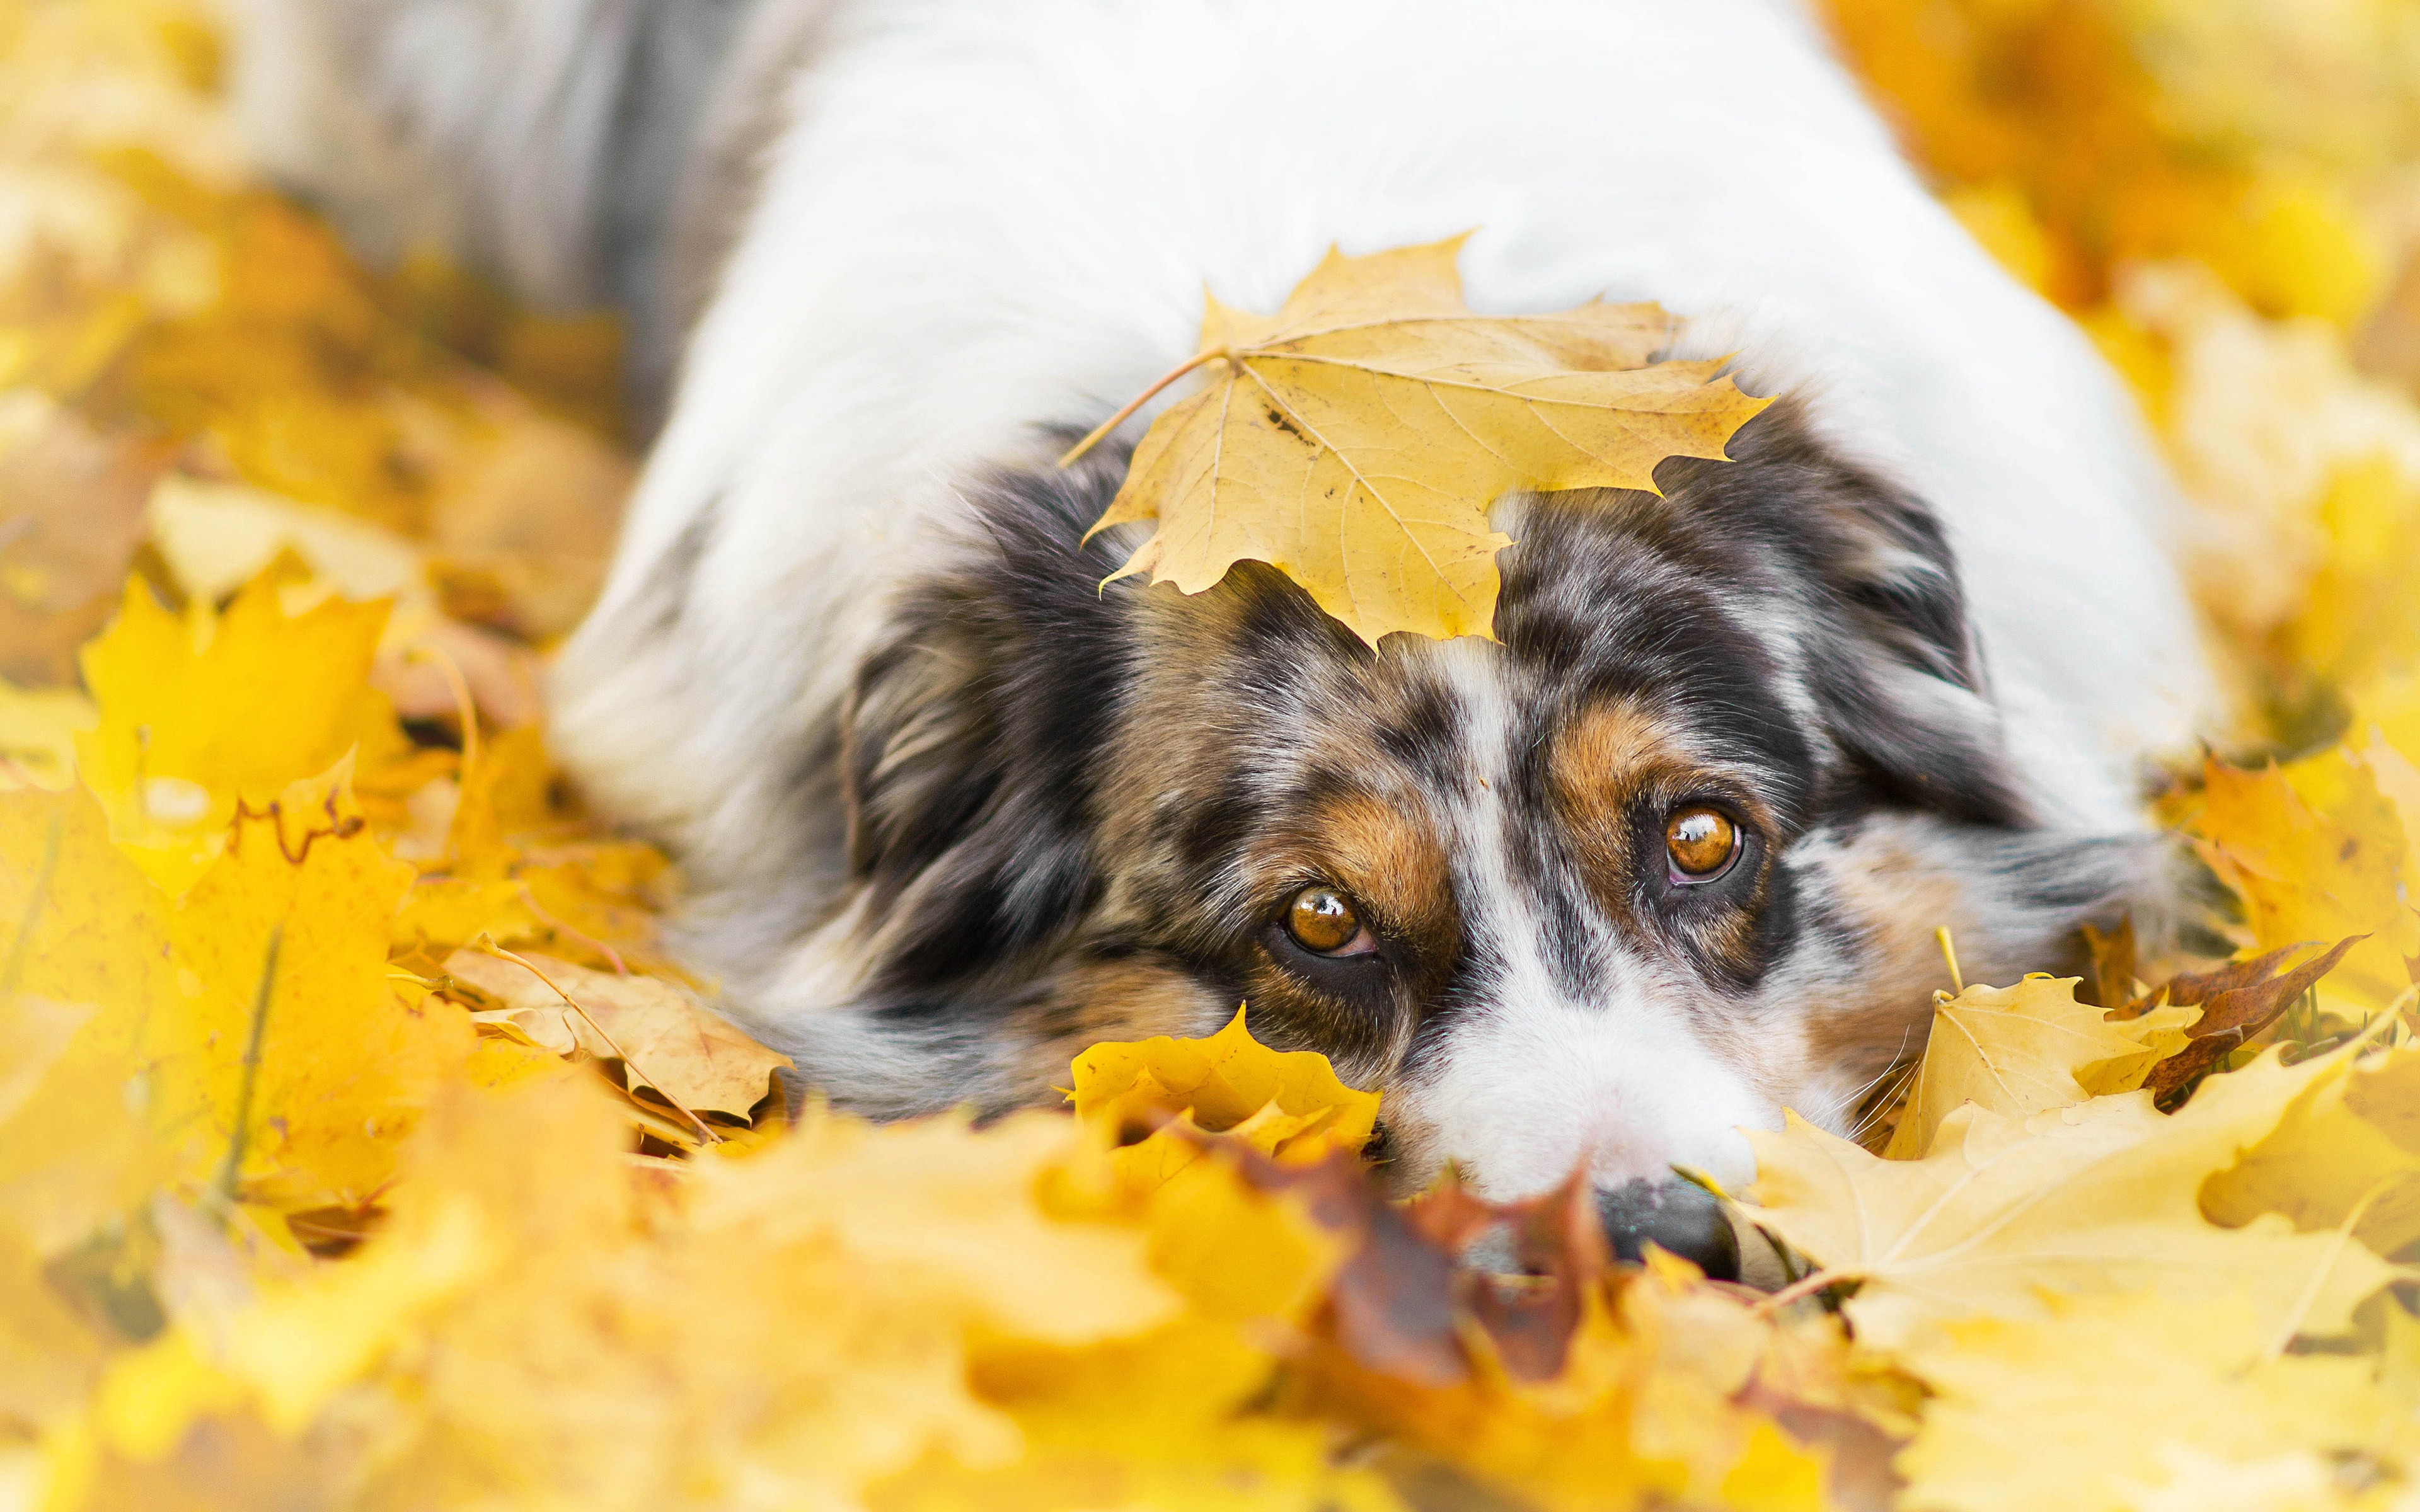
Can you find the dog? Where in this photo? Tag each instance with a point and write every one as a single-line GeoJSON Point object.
{"type": "Point", "coordinates": [1665, 856]}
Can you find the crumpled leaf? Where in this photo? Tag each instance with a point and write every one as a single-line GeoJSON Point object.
{"type": "Point", "coordinates": [2094, 1200]}
{"type": "Point", "coordinates": [1288, 1104]}
{"type": "Point", "coordinates": [1357, 438]}
{"type": "Point", "coordinates": [1549, 1251]}
{"type": "Point", "coordinates": [2027, 1049]}
{"type": "Point", "coordinates": [664, 1038]}
{"type": "Point", "coordinates": [2237, 1001]}
{"type": "Point", "coordinates": [1667, 1388]}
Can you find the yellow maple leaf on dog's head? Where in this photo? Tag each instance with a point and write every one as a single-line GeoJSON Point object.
{"type": "Point", "coordinates": [1357, 438]}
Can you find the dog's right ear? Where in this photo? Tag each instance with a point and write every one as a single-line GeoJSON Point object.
{"type": "Point", "coordinates": [970, 739]}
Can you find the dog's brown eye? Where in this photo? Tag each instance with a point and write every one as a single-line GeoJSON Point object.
{"type": "Point", "coordinates": [1700, 841]}
{"type": "Point", "coordinates": [1322, 920]}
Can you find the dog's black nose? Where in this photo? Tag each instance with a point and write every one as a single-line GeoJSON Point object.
{"type": "Point", "coordinates": [1681, 1217]}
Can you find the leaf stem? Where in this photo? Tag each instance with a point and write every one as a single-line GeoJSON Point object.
{"type": "Point", "coordinates": [1070, 456]}
{"type": "Point", "coordinates": [1805, 1285]}
{"type": "Point", "coordinates": [233, 1169]}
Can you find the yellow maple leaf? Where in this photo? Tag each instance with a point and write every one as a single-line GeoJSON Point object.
{"type": "Point", "coordinates": [2317, 853]}
{"type": "Point", "coordinates": [797, 1324]}
{"type": "Point", "coordinates": [2047, 1411]}
{"type": "Point", "coordinates": [1176, 1417]}
{"type": "Point", "coordinates": [86, 937]}
{"type": "Point", "coordinates": [83, 924]}
{"type": "Point", "coordinates": [2027, 1049]}
{"type": "Point", "coordinates": [2347, 1150]}
{"type": "Point", "coordinates": [286, 1053]}
{"type": "Point", "coordinates": [201, 712]}
{"type": "Point", "coordinates": [1356, 440]}
{"type": "Point", "coordinates": [1289, 1105]}
{"type": "Point", "coordinates": [2098, 1197]}
{"type": "Point", "coordinates": [1165, 1421]}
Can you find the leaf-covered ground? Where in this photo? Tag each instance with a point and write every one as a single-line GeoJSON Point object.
{"type": "Point", "coordinates": [361, 1147]}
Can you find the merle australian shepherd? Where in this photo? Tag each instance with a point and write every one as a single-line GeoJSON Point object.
{"type": "Point", "coordinates": [1664, 858]}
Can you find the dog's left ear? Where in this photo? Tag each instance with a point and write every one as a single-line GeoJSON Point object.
{"type": "Point", "coordinates": [969, 739]}
{"type": "Point", "coordinates": [1892, 658]}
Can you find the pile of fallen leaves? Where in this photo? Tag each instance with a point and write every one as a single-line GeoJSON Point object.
{"type": "Point", "coordinates": [361, 1146]}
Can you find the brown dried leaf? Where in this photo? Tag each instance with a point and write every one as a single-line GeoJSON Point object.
{"type": "Point", "coordinates": [2237, 1001]}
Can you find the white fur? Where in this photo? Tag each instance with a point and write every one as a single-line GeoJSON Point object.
{"type": "Point", "coordinates": [1531, 1083]}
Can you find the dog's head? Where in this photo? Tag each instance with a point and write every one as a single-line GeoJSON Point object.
{"type": "Point", "coordinates": [1666, 857]}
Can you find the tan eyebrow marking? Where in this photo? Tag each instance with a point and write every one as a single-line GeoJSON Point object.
{"type": "Point", "coordinates": [1391, 859]}
{"type": "Point", "coordinates": [1602, 758]}
{"type": "Point", "coordinates": [1602, 761]}
{"type": "Point", "coordinates": [1386, 854]}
